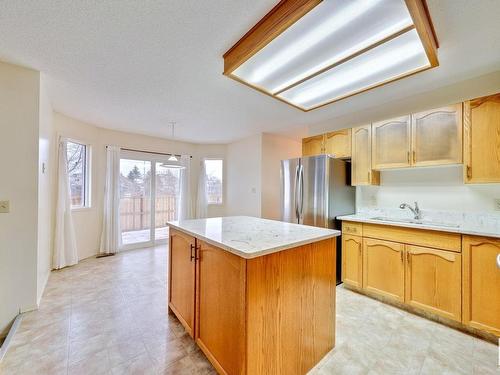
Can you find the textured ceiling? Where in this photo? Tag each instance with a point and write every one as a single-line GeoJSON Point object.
{"type": "Point", "coordinates": [137, 65]}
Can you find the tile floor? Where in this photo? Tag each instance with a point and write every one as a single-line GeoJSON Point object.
{"type": "Point", "coordinates": [109, 316]}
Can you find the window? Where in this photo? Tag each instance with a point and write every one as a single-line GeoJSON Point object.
{"type": "Point", "coordinates": [78, 156]}
{"type": "Point", "coordinates": [213, 169]}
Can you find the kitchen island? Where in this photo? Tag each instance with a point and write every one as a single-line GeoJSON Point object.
{"type": "Point", "coordinates": [257, 296]}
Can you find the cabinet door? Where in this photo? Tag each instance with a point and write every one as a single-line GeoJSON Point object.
{"type": "Point", "coordinates": [361, 164]}
{"type": "Point", "coordinates": [338, 143]}
{"type": "Point", "coordinates": [481, 283]}
{"type": "Point", "coordinates": [221, 278]}
{"type": "Point", "coordinates": [482, 140]}
{"type": "Point", "coordinates": [313, 145]}
{"type": "Point", "coordinates": [433, 281]}
{"type": "Point", "coordinates": [391, 143]}
{"type": "Point", "coordinates": [383, 268]}
{"type": "Point", "coordinates": [182, 278]}
{"type": "Point", "coordinates": [437, 136]}
{"type": "Point", "coordinates": [352, 258]}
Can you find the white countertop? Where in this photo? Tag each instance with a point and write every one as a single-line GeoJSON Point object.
{"type": "Point", "coordinates": [461, 227]}
{"type": "Point", "coordinates": [251, 237]}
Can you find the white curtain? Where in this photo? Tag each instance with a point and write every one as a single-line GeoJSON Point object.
{"type": "Point", "coordinates": [184, 203]}
{"type": "Point", "coordinates": [111, 236]}
{"type": "Point", "coordinates": [65, 251]}
{"type": "Point", "coordinates": [201, 198]}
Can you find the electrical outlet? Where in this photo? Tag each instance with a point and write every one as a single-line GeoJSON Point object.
{"type": "Point", "coordinates": [4, 207]}
{"type": "Point", "coordinates": [497, 204]}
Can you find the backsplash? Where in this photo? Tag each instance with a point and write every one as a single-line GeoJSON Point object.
{"type": "Point", "coordinates": [433, 188]}
{"type": "Point", "coordinates": [440, 192]}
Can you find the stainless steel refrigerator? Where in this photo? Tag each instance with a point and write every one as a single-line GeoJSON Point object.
{"type": "Point", "coordinates": [314, 191]}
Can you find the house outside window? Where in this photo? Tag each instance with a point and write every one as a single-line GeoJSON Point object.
{"type": "Point", "coordinates": [78, 172]}
{"type": "Point", "coordinates": [214, 171]}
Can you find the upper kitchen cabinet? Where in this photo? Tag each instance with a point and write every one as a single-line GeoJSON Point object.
{"type": "Point", "coordinates": [362, 173]}
{"type": "Point", "coordinates": [338, 143]}
{"type": "Point", "coordinates": [482, 139]}
{"type": "Point", "coordinates": [391, 143]}
{"type": "Point", "coordinates": [313, 145]}
{"type": "Point", "coordinates": [437, 136]}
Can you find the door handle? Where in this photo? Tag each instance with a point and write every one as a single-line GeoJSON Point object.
{"type": "Point", "coordinates": [301, 184]}
{"type": "Point", "coordinates": [193, 252]}
{"type": "Point", "coordinates": [296, 191]}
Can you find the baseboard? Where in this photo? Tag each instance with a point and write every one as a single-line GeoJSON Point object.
{"type": "Point", "coordinates": [10, 335]}
{"type": "Point", "coordinates": [45, 280]}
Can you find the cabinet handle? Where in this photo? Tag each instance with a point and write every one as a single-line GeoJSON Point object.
{"type": "Point", "coordinates": [498, 261]}
{"type": "Point", "coordinates": [414, 156]}
{"type": "Point", "coordinates": [197, 251]}
{"type": "Point", "coordinates": [193, 249]}
{"type": "Point", "coordinates": [469, 171]}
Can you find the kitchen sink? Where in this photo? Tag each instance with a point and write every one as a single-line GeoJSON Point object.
{"type": "Point", "coordinates": [415, 221]}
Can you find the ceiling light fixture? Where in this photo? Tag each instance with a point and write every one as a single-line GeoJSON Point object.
{"type": "Point", "coordinates": [309, 53]}
{"type": "Point", "coordinates": [173, 160]}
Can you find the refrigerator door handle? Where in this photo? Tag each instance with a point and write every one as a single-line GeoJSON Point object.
{"type": "Point", "coordinates": [301, 193]}
{"type": "Point", "coordinates": [296, 190]}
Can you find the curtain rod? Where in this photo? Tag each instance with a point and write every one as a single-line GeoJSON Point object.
{"type": "Point", "coordinates": [152, 152]}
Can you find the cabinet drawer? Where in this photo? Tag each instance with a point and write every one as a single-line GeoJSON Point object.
{"type": "Point", "coordinates": [349, 227]}
{"type": "Point", "coordinates": [412, 236]}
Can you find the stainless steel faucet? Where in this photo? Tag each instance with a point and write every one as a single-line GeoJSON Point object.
{"type": "Point", "coordinates": [416, 211]}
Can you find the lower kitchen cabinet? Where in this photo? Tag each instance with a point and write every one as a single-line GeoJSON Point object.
{"type": "Point", "coordinates": [182, 279]}
{"type": "Point", "coordinates": [221, 308]}
{"type": "Point", "coordinates": [481, 283]}
{"type": "Point", "coordinates": [352, 260]}
{"type": "Point", "coordinates": [433, 281]}
{"type": "Point", "coordinates": [383, 268]}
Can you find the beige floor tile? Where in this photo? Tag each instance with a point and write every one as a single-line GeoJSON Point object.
{"type": "Point", "coordinates": [110, 316]}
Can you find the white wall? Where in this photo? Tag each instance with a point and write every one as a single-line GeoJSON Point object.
{"type": "Point", "coordinates": [46, 186]}
{"type": "Point", "coordinates": [19, 117]}
{"type": "Point", "coordinates": [439, 188]}
{"type": "Point", "coordinates": [274, 149]}
{"type": "Point", "coordinates": [244, 177]}
{"type": "Point", "coordinates": [88, 221]}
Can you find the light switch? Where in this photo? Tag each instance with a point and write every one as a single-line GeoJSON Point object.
{"type": "Point", "coordinates": [4, 207]}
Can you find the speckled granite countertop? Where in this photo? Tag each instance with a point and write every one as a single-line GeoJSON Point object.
{"type": "Point", "coordinates": [476, 225]}
{"type": "Point", "coordinates": [251, 237]}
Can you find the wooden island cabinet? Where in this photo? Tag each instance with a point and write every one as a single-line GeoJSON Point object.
{"type": "Point", "coordinates": [263, 312]}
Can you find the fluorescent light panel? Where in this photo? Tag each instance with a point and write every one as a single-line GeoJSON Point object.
{"type": "Point", "coordinates": [300, 65]}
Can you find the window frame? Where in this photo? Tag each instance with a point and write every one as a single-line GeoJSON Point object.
{"type": "Point", "coordinates": [87, 176]}
{"type": "Point", "coordinates": [221, 203]}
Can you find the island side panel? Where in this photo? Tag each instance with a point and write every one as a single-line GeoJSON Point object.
{"type": "Point", "coordinates": [220, 319]}
{"type": "Point", "coordinates": [291, 309]}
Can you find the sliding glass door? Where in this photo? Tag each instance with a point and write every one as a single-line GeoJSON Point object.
{"type": "Point", "coordinates": [149, 196]}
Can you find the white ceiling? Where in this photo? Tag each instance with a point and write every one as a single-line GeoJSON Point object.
{"type": "Point", "coordinates": [136, 65]}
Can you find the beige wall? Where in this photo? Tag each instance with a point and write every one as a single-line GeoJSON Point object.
{"type": "Point", "coordinates": [19, 117]}
{"type": "Point", "coordinates": [244, 177]}
{"type": "Point", "coordinates": [88, 221]}
{"type": "Point", "coordinates": [254, 181]}
{"type": "Point", "coordinates": [274, 149]}
{"type": "Point", "coordinates": [46, 186]}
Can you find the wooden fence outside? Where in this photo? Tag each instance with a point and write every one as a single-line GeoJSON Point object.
{"type": "Point", "coordinates": [135, 212]}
